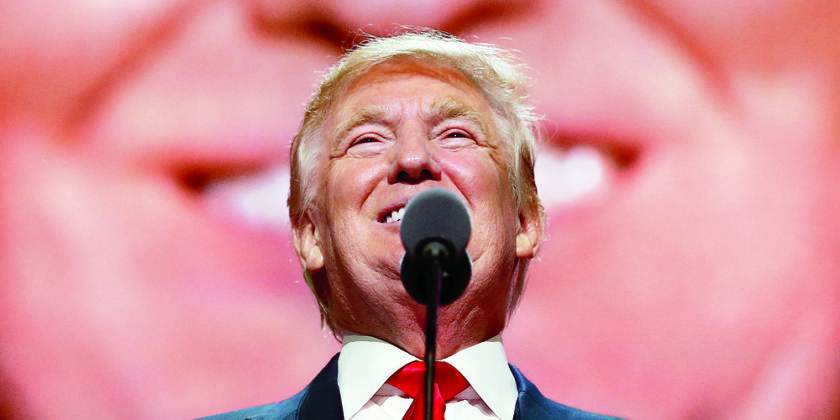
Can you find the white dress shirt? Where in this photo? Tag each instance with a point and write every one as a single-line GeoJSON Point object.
{"type": "Point", "coordinates": [365, 363]}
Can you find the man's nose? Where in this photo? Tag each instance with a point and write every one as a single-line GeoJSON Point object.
{"type": "Point", "coordinates": [412, 161]}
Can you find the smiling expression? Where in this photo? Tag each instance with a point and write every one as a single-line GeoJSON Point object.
{"type": "Point", "coordinates": [402, 128]}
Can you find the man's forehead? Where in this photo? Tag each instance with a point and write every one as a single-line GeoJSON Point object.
{"type": "Point", "coordinates": [408, 66]}
{"type": "Point", "coordinates": [463, 100]}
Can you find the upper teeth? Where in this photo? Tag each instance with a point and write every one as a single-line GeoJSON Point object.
{"type": "Point", "coordinates": [395, 216]}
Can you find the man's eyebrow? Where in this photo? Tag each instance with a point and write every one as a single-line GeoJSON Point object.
{"type": "Point", "coordinates": [449, 108]}
{"type": "Point", "coordinates": [365, 115]}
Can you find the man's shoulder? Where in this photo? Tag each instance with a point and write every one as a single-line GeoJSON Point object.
{"type": "Point", "coordinates": [532, 405]}
{"type": "Point", "coordinates": [319, 400]}
{"type": "Point", "coordinates": [283, 410]}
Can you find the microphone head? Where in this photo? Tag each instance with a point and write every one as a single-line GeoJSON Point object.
{"type": "Point", "coordinates": [436, 215]}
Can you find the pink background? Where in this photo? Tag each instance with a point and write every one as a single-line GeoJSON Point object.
{"type": "Point", "coordinates": [689, 171]}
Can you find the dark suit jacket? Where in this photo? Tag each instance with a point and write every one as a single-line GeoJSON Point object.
{"type": "Point", "coordinates": [321, 401]}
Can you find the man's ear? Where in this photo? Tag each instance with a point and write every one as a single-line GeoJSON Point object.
{"type": "Point", "coordinates": [530, 235]}
{"type": "Point", "coordinates": [308, 245]}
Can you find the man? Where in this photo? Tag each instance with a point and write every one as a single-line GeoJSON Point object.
{"type": "Point", "coordinates": [395, 117]}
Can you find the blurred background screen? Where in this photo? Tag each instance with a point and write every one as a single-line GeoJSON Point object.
{"type": "Point", "coordinates": [689, 170]}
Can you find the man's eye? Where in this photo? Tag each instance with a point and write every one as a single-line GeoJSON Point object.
{"type": "Point", "coordinates": [456, 134]}
{"type": "Point", "coordinates": [365, 139]}
{"type": "Point", "coordinates": [456, 139]}
{"type": "Point", "coordinates": [367, 145]}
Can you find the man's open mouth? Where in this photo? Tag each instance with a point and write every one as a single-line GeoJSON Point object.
{"type": "Point", "coordinates": [395, 215]}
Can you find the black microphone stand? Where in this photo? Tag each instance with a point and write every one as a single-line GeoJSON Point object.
{"type": "Point", "coordinates": [436, 253]}
{"type": "Point", "coordinates": [435, 231]}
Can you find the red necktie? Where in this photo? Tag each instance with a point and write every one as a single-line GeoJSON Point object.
{"type": "Point", "coordinates": [410, 379]}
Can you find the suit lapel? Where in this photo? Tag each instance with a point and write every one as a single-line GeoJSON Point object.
{"type": "Point", "coordinates": [524, 401]}
{"type": "Point", "coordinates": [531, 404]}
{"type": "Point", "coordinates": [322, 400]}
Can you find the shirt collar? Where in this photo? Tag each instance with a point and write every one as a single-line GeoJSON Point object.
{"type": "Point", "coordinates": [485, 367]}
{"type": "Point", "coordinates": [365, 363]}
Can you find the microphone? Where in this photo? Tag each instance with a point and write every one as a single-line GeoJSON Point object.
{"type": "Point", "coordinates": [436, 267]}
{"type": "Point", "coordinates": [435, 230]}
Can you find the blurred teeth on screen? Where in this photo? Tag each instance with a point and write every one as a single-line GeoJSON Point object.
{"type": "Point", "coordinates": [257, 200]}
{"type": "Point", "coordinates": [565, 176]}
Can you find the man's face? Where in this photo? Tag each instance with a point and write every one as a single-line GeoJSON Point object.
{"type": "Point", "coordinates": [403, 128]}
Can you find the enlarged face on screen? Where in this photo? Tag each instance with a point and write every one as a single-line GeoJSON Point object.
{"type": "Point", "coordinates": [402, 128]}
{"type": "Point", "coordinates": [697, 279]}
